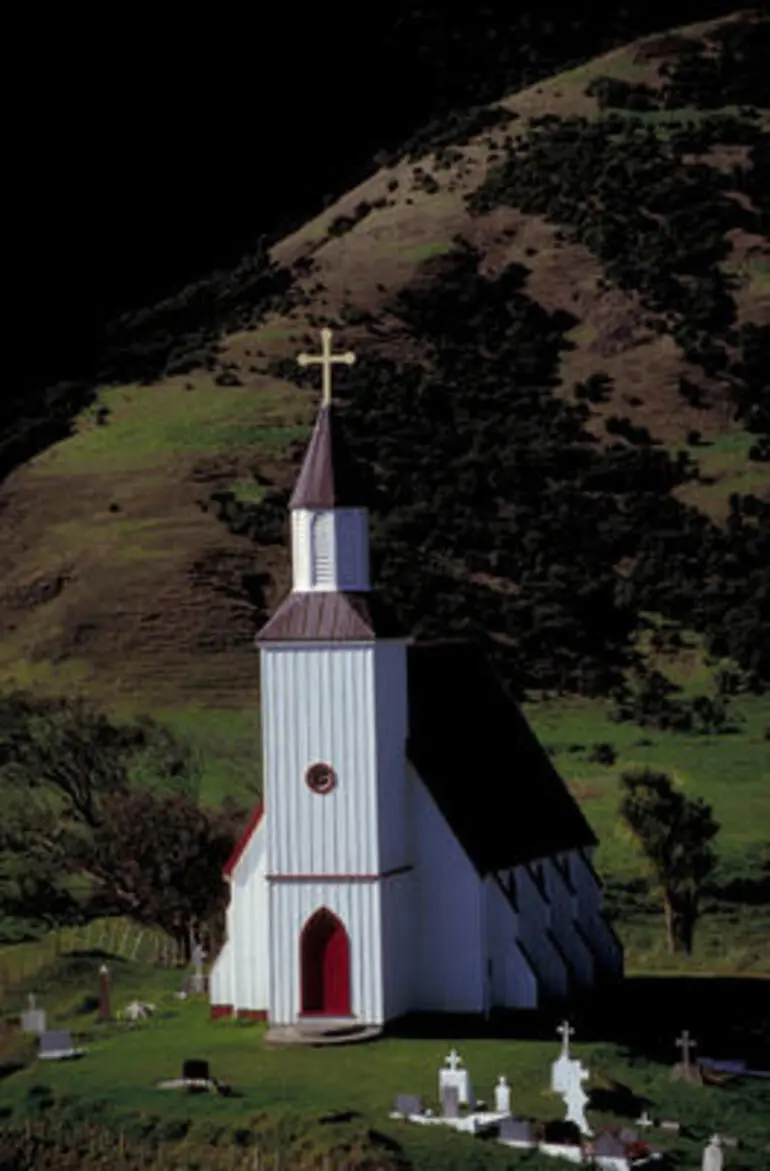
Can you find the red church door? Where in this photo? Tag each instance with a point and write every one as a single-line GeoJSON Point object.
{"type": "Point", "coordinates": [325, 966]}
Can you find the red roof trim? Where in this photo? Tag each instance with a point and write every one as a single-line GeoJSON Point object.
{"type": "Point", "coordinates": [243, 841]}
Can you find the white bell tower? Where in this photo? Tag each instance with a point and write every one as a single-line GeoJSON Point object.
{"type": "Point", "coordinates": [334, 729]}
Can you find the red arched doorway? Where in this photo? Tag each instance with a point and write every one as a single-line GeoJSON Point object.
{"type": "Point", "coordinates": [325, 966]}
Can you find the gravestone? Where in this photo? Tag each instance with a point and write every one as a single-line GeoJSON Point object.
{"type": "Point", "coordinates": [196, 1070]}
{"type": "Point", "coordinates": [198, 981]}
{"type": "Point", "coordinates": [670, 1125]}
{"type": "Point", "coordinates": [685, 1070]}
{"type": "Point", "coordinates": [450, 1102]}
{"type": "Point", "coordinates": [56, 1045]}
{"type": "Point", "coordinates": [407, 1104]}
{"type": "Point", "coordinates": [33, 1020]}
{"type": "Point", "coordinates": [516, 1130]}
{"type": "Point", "coordinates": [575, 1097]}
{"type": "Point", "coordinates": [608, 1146]}
{"type": "Point", "coordinates": [453, 1075]}
{"type": "Point", "coordinates": [713, 1157]}
{"type": "Point", "coordinates": [105, 1010]}
{"type": "Point", "coordinates": [645, 1121]}
{"type": "Point", "coordinates": [502, 1096]}
{"type": "Point", "coordinates": [560, 1067]}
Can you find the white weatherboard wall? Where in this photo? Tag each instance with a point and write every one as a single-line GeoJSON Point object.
{"type": "Point", "coordinates": [357, 905]}
{"type": "Point", "coordinates": [448, 912]}
{"type": "Point", "coordinates": [534, 921]}
{"type": "Point", "coordinates": [330, 549]}
{"type": "Point", "coordinates": [318, 706]}
{"type": "Point", "coordinates": [398, 936]}
{"type": "Point", "coordinates": [563, 914]}
{"type": "Point", "coordinates": [513, 982]}
{"type": "Point", "coordinates": [391, 724]}
{"type": "Point", "coordinates": [240, 973]}
{"type": "Point", "coordinates": [591, 918]}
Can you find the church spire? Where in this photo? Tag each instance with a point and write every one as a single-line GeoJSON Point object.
{"type": "Point", "coordinates": [330, 539]}
{"type": "Point", "coordinates": [327, 479]}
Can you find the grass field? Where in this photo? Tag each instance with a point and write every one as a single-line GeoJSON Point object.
{"type": "Point", "coordinates": [116, 1079]}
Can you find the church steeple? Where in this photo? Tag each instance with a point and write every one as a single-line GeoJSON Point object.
{"type": "Point", "coordinates": [329, 524]}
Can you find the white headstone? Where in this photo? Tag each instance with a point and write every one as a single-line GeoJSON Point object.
{"type": "Point", "coordinates": [645, 1120]}
{"type": "Point", "coordinates": [33, 1020]}
{"type": "Point", "coordinates": [502, 1096]}
{"type": "Point", "coordinates": [561, 1067]}
{"type": "Point", "coordinates": [452, 1075]}
{"type": "Point", "coordinates": [713, 1157]}
{"type": "Point", "coordinates": [576, 1099]}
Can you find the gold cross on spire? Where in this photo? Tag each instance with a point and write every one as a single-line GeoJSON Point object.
{"type": "Point", "coordinates": [326, 359]}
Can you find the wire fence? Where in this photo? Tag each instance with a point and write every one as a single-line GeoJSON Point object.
{"type": "Point", "coordinates": [117, 938]}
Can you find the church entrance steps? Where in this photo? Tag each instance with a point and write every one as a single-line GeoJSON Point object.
{"type": "Point", "coordinates": [327, 1032]}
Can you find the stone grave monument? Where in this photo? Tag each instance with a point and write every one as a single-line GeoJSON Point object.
{"type": "Point", "coordinates": [713, 1157]}
{"type": "Point", "coordinates": [684, 1070]}
{"type": "Point", "coordinates": [576, 1099]}
{"type": "Point", "coordinates": [453, 1075]}
{"type": "Point", "coordinates": [560, 1067]}
{"type": "Point", "coordinates": [502, 1096]}
{"type": "Point", "coordinates": [33, 1020]}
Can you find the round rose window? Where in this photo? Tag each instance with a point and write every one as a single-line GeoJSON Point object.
{"type": "Point", "coordinates": [321, 778]}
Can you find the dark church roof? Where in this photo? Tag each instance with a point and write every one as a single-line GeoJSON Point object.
{"type": "Point", "coordinates": [486, 770]}
{"type": "Point", "coordinates": [327, 478]}
{"type": "Point", "coordinates": [330, 617]}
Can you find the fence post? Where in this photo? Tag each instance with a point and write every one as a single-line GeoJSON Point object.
{"type": "Point", "coordinates": [139, 938]}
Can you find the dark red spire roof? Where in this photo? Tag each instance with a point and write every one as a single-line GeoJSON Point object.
{"type": "Point", "coordinates": [327, 478]}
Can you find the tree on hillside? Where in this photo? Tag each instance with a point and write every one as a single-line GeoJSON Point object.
{"type": "Point", "coordinates": [79, 838]}
{"type": "Point", "coordinates": [158, 860]}
{"type": "Point", "coordinates": [675, 836]}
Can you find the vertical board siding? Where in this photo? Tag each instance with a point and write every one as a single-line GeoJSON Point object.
{"type": "Point", "coordinates": [534, 921]}
{"type": "Point", "coordinates": [390, 685]}
{"type": "Point", "coordinates": [398, 940]}
{"type": "Point", "coordinates": [319, 706]}
{"type": "Point", "coordinates": [448, 909]}
{"type": "Point", "coordinates": [563, 915]}
{"type": "Point", "coordinates": [589, 901]}
{"type": "Point", "coordinates": [300, 549]}
{"type": "Point", "coordinates": [330, 549]}
{"type": "Point", "coordinates": [351, 538]}
{"type": "Point", "coordinates": [357, 905]}
{"type": "Point", "coordinates": [514, 984]}
{"type": "Point", "coordinates": [240, 974]}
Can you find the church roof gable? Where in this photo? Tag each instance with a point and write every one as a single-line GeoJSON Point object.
{"type": "Point", "coordinates": [240, 846]}
{"type": "Point", "coordinates": [330, 616]}
{"type": "Point", "coordinates": [490, 777]}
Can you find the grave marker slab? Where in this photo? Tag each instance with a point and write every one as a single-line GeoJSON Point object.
{"type": "Point", "coordinates": [56, 1045]}
{"type": "Point", "coordinates": [450, 1102]}
{"type": "Point", "coordinates": [407, 1104]}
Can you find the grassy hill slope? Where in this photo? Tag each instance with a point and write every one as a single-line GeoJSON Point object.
{"type": "Point", "coordinates": [561, 310]}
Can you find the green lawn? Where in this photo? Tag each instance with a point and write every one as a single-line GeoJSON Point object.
{"type": "Point", "coordinates": [116, 1078]}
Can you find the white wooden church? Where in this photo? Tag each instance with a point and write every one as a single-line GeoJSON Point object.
{"type": "Point", "coordinates": [415, 849]}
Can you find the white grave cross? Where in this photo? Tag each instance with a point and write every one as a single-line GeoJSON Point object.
{"type": "Point", "coordinates": [565, 1032]}
{"type": "Point", "coordinates": [326, 359]}
{"type": "Point", "coordinates": [560, 1069]}
{"type": "Point", "coordinates": [453, 1075]}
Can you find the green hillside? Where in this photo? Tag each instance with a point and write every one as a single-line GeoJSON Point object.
{"type": "Point", "coordinates": [561, 311]}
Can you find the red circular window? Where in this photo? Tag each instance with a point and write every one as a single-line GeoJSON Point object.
{"type": "Point", "coordinates": [321, 778]}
